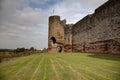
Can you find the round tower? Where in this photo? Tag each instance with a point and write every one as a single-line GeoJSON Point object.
{"type": "Point", "coordinates": [55, 34]}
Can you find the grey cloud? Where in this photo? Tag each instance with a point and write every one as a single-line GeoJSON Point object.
{"type": "Point", "coordinates": [74, 10]}
{"type": "Point", "coordinates": [39, 1]}
{"type": "Point", "coordinates": [24, 26]}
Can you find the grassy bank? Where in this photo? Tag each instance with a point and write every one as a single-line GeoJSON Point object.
{"type": "Point", "coordinates": [62, 67]}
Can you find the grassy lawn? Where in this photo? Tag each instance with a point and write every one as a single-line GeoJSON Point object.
{"type": "Point", "coordinates": [62, 67]}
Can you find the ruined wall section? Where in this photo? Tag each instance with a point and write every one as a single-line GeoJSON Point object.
{"type": "Point", "coordinates": [99, 32]}
{"type": "Point", "coordinates": [68, 38]}
{"type": "Point", "coordinates": [56, 31]}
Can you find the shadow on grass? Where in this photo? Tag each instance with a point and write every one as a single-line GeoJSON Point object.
{"type": "Point", "coordinates": [106, 57]}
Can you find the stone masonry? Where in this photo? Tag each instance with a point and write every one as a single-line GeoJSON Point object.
{"type": "Point", "coordinates": [96, 33]}
{"type": "Point", "coordinates": [56, 34]}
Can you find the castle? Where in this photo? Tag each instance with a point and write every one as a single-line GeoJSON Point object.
{"type": "Point", "coordinates": [96, 33]}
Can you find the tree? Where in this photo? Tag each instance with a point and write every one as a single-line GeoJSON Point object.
{"type": "Point", "coordinates": [32, 48]}
{"type": "Point", "coordinates": [19, 50]}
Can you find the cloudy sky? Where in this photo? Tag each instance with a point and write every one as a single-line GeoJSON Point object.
{"type": "Point", "coordinates": [24, 23]}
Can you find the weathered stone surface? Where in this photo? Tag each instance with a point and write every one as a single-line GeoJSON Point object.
{"type": "Point", "coordinates": [68, 48]}
{"type": "Point", "coordinates": [56, 33]}
{"type": "Point", "coordinates": [96, 33]}
{"type": "Point", "coordinates": [107, 47]}
{"type": "Point", "coordinates": [101, 28]}
{"type": "Point", "coordinates": [68, 38]}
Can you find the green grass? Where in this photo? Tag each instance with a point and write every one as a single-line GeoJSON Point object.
{"type": "Point", "coordinates": [62, 67]}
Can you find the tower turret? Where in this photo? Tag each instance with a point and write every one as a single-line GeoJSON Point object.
{"type": "Point", "coordinates": [56, 34]}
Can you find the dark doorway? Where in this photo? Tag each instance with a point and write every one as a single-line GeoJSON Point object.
{"type": "Point", "coordinates": [53, 39]}
{"type": "Point", "coordinates": [59, 48]}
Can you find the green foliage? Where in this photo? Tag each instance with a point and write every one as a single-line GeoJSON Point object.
{"type": "Point", "coordinates": [1, 56]}
{"type": "Point", "coordinates": [18, 50]}
{"type": "Point", "coordinates": [32, 48]}
{"type": "Point", "coordinates": [62, 67]}
{"type": "Point", "coordinates": [44, 50]}
{"type": "Point", "coordinates": [17, 53]}
{"type": "Point", "coordinates": [4, 55]}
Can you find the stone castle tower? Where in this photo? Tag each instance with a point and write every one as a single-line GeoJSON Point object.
{"type": "Point", "coordinates": [95, 33]}
{"type": "Point", "coordinates": [56, 34]}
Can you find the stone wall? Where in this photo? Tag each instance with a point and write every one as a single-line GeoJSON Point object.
{"type": "Point", "coordinates": [68, 38]}
{"type": "Point", "coordinates": [56, 34]}
{"type": "Point", "coordinates": [100, 31]}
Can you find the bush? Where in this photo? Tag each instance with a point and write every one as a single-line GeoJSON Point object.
{"type": "Point", "coordinates": [18, 50]}
{"type": "Point", "coordinates": [4, 55]}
